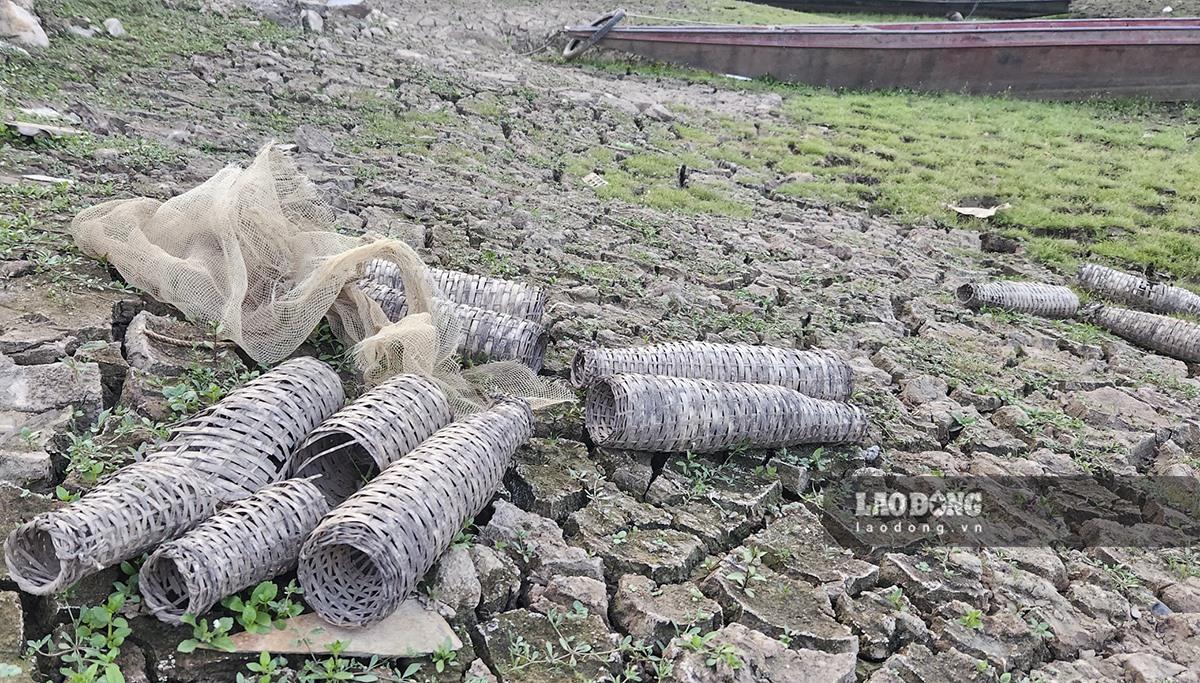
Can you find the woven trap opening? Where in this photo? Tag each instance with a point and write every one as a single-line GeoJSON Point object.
{"type": "Point", "coordinates": [340, 464]}
{"type": "Point", "coordinates": [32, 559]}
{"type": "Point", "coordinates": [600, 411]}
{"type": "Point", "coordinates": [579, 367]}
{"type": "Point", "coordinates": [164, 588]}
{"type": "Point", "coordinates": [344, 583]}
{"type": "Point", "coordinates": [965, 293]}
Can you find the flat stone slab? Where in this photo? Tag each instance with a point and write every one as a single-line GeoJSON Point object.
{"type": "Point", "coordinates": [525, 647]}
{"type": "Point", "coordinates": [657, 614]}
{"type": "Point", "coordinates": [412, 630]}
{"type": "Point", "coordinates": [798, 546]}
{"type": "Point", "coordinates": [551, 477]}
{"type": "Point", "coordinates": [758, 658]}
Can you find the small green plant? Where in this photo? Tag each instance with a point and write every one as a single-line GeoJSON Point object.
{"type": "Point", "coordinates": [444, 656]}
{"type": "Point", "coordinates": [265, 608]}
{"type": "Point", "coordinates": [61, 493]}
{"type": "Point", "coordinates": [1040, 629]}
{"type": "Point", "coordinates": [264, 670]}
{"type": "Point", "coordinates": [895, 598]}
{"type": "Point", "coordinates": [619, 537]}
{"type": "Point", "coordinates": [216, 636]}
{"type": "Point", "coordinates": [973, 619]}
{"type": "Point", "coordinates": [466, 536]}
{"type": "Point", "coordinates": [335, 667]}
{"type": "Point", "coordinates": [89, 650]}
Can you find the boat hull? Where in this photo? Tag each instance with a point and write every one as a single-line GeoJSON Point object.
{"type": "Point", "coordinates": [1001, 9]}
{"type": "Point", "coordinates": [1074, 59]}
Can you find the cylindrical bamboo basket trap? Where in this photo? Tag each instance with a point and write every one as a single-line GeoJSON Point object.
{"type": "Point", "coordinates": [483, 334]}
{"type": "Point", "coordinates": [139, 507]}
{"type": "Point", "coordinates": [252, 540]}
{"type": "Point", "coordinates": [517, 299]}
{"type": "Point", "coordinates": [364, 438]}
{"type": "Point", "coordinates": [671, 414]}
{"type": "Point", "coordinates": [1169, 336]}
{"type": "Point", "coordinates": [1050, 301]}
{"type": "Point", "coordinates": [224, 454]}
{"type": "Point", "coordinates": [1136, 291]}
{"type": "Point", "coordinates": [369, 553]}
{"type": "Point", "coordinates": [819, 374]}
{"type": "Point", "coordinates": [246, 440]}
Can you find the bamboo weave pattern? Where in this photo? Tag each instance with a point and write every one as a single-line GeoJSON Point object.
{"type": "Point", "coordinates": [1050, 301]}
{"type": "Point", "coordinates": [820, 374]}
{"type": "Point", "coordinates": [649, 413]}
{"type": "Point", "coordinates": [501, 296]}
{"type": "Point", "coordinates": [137, 508]}
{"type": "Point", "coordinates": [1169, 336]}
{"type": "Point", "coordinates": [1136, 291]}
{"type": "Point", "coordinates": [364, 438]}
{"type": "Point", "coordinates": [483, 334]}
{"type": "Point", "coordinates": [369, 553]}
{"type": "Point", "coordinates": [252, 540]}
{"type": "Point", "coordinates": [247, 439]}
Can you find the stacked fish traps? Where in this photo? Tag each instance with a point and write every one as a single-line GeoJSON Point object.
{"type": "Point", "coordinates": [1164, 334]}
{"type": "Point", "coordinates": [707, 397]}
{"type": "Point", "coordinates": [225, 454]}
{"type": "Point", "coordinates": [498, 319]}
{"type": "Point", "coordinates": [369, 553]}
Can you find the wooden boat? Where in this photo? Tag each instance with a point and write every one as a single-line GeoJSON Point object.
{"type": "Point", "coordinates": [1004, 9]}
{"type": "Point", "coordinates": [1044, 59]}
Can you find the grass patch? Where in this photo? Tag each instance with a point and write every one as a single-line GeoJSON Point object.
{"type": "Point", "coordinates": [159, 37]}
{"type": "Point", "coordinates": [1115, 179]}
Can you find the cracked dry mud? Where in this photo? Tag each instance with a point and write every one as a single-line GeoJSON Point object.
{"type": "Point", "coordinates": [426, 121]}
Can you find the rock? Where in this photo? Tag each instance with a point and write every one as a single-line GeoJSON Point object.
{"type": "Point", "coordinates": [998, 244]}
{"type": "Point", "coordinates": [113, 366]}
{"type": "Point", "coordinates": [923, 389]}
{"type": "Point", "coordinates": [631, 471]}
{"type": "Point", "coordinates": [12, 626]}
{"type": "Point", "coordinates": [386, 223]}
{"type": "Point", "coordinates": [114, 27]}
{"type": "Point", "coordinates": [930, 582]}
{"type": "Point", "coordinates": [133, 664]}
{"type": "Point", "coordinates": [658, 112]}
{"type": "Point", "coordinates": [313, 140]}
{"type": "Point", "coordinates": [168, 347]}
{"type": "Point", "coordinates": [777, 605]}
{"type": "Point", "coordinates": [656, 614]}
{"type": "Point", "coordinates": [311, 21]}
{"type": "Point", "coordinates": [50, 387]}
{"type": "Point", "coordinates": [741, 655]}
{"type": "Point", "coordinates": [479, 673]}
{"type": "Point", "coordinates": [354, 8]}
{"type": "Point", "coordinates": [719, 528]}
{"type": "Point", "coordinates": [453, 582]}
{"type": "Point", "coordinates": [884, 621]}
{"type": "Point", "coordinates": [499, 580]}
{"type": "Point", "coordinates": [1003, 638]}
{"type": "Point", "coordinates": [1147, 668]}
{"type": "Point", "coordinates": [738, 484]}
{"type": "Point", "coordinates": [25, 445]}
{"type": "Point", "coordinates": [1073, 630]}
{"type": "Point", "coordinates": [510, 641]}
{"type": "Point", "coordinates": [565, 592]}
{"type": "Point", "coordinates": [1113, 408]}
{"type": "Point", "coordinates": [411, 630]}
{"type": "Point", "coordinates": [665, 555]}
{"type": "Point", "coordinates": [798, 546]}
{"type": "Point", "coordinates": [916, 663]}
{"type": "Point", "coordinates": [21, 26]}
{"type": "Point", "coordinates": [536, 545]}
{"type": "Point", "coordinates": [1183, 596]}
{"type": "Point", "coordinates": [551, 477]}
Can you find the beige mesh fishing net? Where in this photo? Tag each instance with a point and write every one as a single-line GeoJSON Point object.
{"type": "Point", "coordinates": [253, 251]}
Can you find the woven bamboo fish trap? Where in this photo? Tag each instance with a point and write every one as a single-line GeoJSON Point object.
{"type": "Point", "coordinates": [247, 439]}
{"type": "Point", "coordinates": [1136, 291]}
{"type": "Point", "coordinates": [364, 438]}
{"type": "Point", "coordinates": [482, 334]}
{"type": "Point", "coordinates": [252, 540]}
{"type": "Point", "coordinates": [369, 553]}
{"type": "Point", "coordinates": [820, 374]}
{"type": "Point", "coordinates": [517, 299]}
{"type": "Point", "coordinates": [671, 414]}
{"type": "Point", "coordinates": [139, 507]}
{"type": "Point", "coordinates": [1169, 336]}
{"type": "Point", "coordinates": [1049, 301]}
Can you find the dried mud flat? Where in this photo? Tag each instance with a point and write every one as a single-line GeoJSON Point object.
{"type": "Point", "coordinates": [428, 121]}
